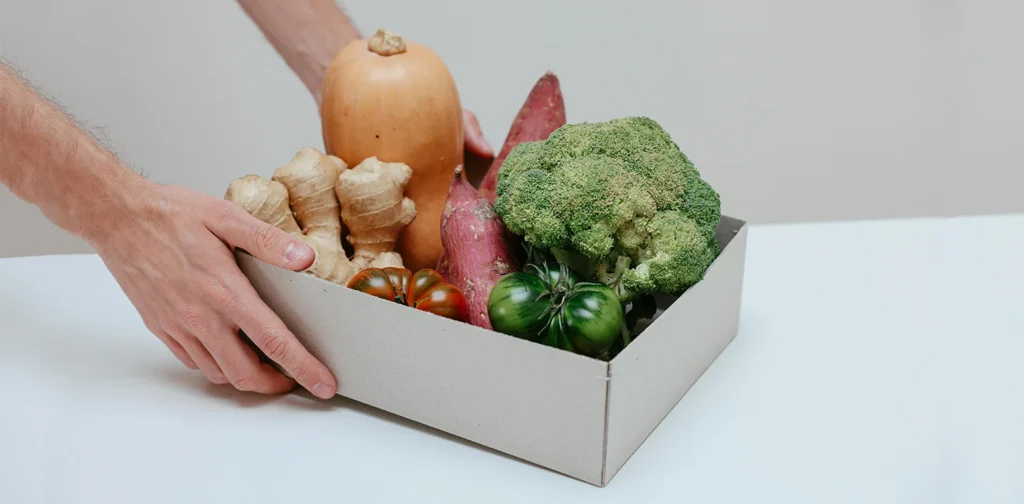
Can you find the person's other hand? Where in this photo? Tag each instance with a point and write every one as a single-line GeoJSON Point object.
{"type": "Point", "coordinates": [171, 253]}
{"type": "Point", "coordinates": [475, 141]}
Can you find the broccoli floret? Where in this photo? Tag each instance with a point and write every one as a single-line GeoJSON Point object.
{"type": "Point", "coordinates": [618, 197]}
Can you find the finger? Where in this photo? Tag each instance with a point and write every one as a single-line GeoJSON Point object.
{"type": "Point", "coordinates": [170, 342]}
{"type": "Point", "coordinates": [269, 333]}
{"type": "Point", "coordinates": [201, 356]}
{"type": "Point", "coordinates": [264, 241]}
{"type": "Point", "coordinates": [475, 140]}
{"type": "Point", "coordinates": [241, 365]}
{"type": "Point", "coordinates": [177, 350]}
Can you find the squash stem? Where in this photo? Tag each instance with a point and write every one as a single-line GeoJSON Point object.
{"type": "Point", "coordinates": [386, 43]}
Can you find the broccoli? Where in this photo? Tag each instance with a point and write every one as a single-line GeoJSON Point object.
{"type": "Point", "coordinates": [617, 201]}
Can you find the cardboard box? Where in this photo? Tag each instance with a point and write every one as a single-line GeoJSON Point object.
{"type": "Point", "coordinates": [576, 415]}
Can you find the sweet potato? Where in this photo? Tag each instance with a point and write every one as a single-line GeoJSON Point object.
{"type": "Point", "coordinates": [476, 247]}
{"type": "Point", "coordinates": [442, 266]}
{"type": "Point", "coordinates": [542, 113]}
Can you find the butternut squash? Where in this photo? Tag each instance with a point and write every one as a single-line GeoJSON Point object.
{"type": "Point", "coordinates": [395, 99]}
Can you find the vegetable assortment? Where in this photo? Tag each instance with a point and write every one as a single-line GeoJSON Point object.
{"type": "Point", "coordinates": [571, 232]}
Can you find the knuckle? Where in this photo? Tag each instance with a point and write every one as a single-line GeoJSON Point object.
{"type": "Point", "coordinates": [217, 292]}
{"type": "Point", "coordinates": [266, 237]}
{"type": "Point", "coordinates": [276, 347]}
{"type": "Point", "coordinates": [243, 382]}
{"type": "Point", "coordinates": [280, 350]}
{"type": "Point", "coordinates": [223, 212]}
{"type": "Point", "coordinates": [192, 319]}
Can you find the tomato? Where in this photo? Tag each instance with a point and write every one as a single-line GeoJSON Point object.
{"type": "Point", "coordinates": [424, 290]}
{"type": "Point", "coordinates": [550, 305]}
{"type": "Point", "coordinates": [377, 282]}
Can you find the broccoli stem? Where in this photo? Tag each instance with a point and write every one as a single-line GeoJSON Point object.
{"type": "Point", "coordinates": [576, 261]}
{"type": "Point", "coordinates": [532, 254]}
{"type": "Point", "coordinates": [614, 279]}
{"type": "Point", "coordinates": [588, 268]}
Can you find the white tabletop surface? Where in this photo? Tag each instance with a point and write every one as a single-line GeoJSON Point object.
{"type": "Point", "coordinates": [876, 362]}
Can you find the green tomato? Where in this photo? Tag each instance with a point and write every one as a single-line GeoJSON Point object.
{"type": "Point", "coordinates": [515, 306]}
{"type": "Point", "coordinates": [550, 305]}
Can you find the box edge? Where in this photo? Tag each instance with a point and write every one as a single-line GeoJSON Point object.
{"type": "Point", "coordinates": [607, 414]}
{"type": "Point", "coordinates": [608, 474]}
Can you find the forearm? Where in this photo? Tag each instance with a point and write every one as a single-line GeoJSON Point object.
{"type": "Point", "coordinates": [47, 160]}
{"type": "Point", "coordinates": [306, 33]}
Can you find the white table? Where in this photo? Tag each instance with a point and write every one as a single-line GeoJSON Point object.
{"type": "Point", "coordinates": [876, 362]}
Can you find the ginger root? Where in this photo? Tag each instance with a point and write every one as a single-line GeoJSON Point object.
{"type": "Point", "coordinates": [375, 210]}
{"type": "Point", "coordinates": [314, 195]}
{"type": "Point", "coordinates": [310, 177]}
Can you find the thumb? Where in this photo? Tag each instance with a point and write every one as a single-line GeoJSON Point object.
{"type": "Point", "coordinates": [264, 241]}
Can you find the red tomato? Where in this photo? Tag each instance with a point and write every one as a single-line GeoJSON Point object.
{"type": "Point", "coordinates": [374, 282]}
{"type": "Point", "coordinates": [425, 290]}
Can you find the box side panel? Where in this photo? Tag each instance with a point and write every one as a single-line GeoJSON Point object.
{"type": "Point", "coordinates": [654, 372]}
{"type": "Point", "coordinates": [530, 401]}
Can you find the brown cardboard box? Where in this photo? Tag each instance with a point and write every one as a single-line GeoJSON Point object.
{"type": "Point", "coordinates": [576, 415]}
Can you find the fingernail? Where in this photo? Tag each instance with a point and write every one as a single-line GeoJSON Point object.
{"type": "Point", "coordinates": [295, 251]}
{"type": "Point", "coordinates": [322, 391]}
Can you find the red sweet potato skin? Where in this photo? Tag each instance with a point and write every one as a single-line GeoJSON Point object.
{"type": "Point", "coordinates": [476, 247]}
{"type": "Point", "coordinates": [442, 266]}
{"type": "Point", "coordinates": [542, 113]}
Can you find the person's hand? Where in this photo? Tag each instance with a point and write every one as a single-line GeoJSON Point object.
{"type": "Point", "coordinates": [171, 253]}
{"type": "Point", "coordinates": [475, 141]}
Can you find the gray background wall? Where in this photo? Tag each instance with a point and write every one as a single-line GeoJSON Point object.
{"type": "Point", "coordinates": [796, 110]}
